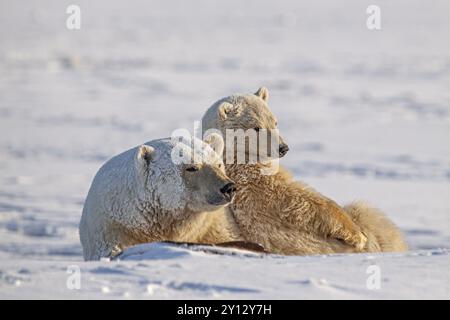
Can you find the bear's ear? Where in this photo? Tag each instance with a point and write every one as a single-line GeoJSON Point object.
{"type": "Point", "coordinates": [144, 155]}
{"type": "Point", "coordinates": [215, 141]}
{"type": "Point", "coordinates": [263, 93]}
{"type": "Point", "coordinates": [227, 110]}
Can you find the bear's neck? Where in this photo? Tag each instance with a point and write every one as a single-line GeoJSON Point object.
{"type": "Point", "coordinates": [152, 225]}
{"type": "Point", "coordinates": [253, 188]}
{"type": "Point", "coordinates": [243, 174]}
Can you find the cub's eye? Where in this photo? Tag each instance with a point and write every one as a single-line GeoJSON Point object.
{"type": "Point", "coordinates": [257, 129]}
{"type": "Point", "coordinates": [192, 169]}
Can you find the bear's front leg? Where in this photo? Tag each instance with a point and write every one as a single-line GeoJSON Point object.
{"type": "Point", "coordinates": [342, 227]}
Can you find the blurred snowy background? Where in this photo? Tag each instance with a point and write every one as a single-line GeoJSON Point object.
{"type": "Point", "coordinates": [366, 115]}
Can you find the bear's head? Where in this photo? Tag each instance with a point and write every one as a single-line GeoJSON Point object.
{"type": "Point", "coordinates": [184, 175]}
{"type": "Point", "coordinates": [245, 115]}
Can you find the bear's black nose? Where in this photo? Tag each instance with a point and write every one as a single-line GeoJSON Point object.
{"type": "Point", "coordinates": [283, 149]}
{"type": "Point", "coordinates": [228, 190]}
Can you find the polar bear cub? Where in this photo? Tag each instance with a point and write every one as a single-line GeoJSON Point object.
{"type": "Point", "coordinates": [283, 215]}
{"type": "Point", "coordinates": [149, 194]}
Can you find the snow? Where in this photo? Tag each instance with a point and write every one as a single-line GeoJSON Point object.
{"type": "Point", "coordinates": [160, 271]}
{"type": "Point", "coordinates": [366, 115]}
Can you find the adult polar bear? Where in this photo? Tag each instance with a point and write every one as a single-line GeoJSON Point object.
{"type": "Point", "coordinates": [142, 195]}
{"type": "Point", "coordinates": [285, 216]}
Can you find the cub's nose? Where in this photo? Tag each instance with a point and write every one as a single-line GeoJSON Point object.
{"type": "Point", "coordinates": [228, 190]}
{"type": "Point", "coordinates": [283, 149]}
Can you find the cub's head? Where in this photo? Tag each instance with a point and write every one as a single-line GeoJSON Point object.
{"type": "Point", "coordinates": [176, 174]}
{"type": "Point", "coordinates": [248, 115]}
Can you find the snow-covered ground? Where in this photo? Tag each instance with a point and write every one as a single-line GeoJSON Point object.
{"type": "Point", "coordinates": [366, 115]}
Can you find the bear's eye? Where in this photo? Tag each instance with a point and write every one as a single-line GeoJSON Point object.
{"type": "Point", "coordinates": [257, 129]}
{"type": "Point", "coordinates": [192, 169]}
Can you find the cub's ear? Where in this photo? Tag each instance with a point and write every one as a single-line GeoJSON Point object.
{"type": "Point", "coordinates": [215, 141]}
{"type": "Point", "coordinates": [144, 155]}
{"type": "Point", "coordinates": [263, 93]}
{"type": "Point", "coordinates": [227, 110]}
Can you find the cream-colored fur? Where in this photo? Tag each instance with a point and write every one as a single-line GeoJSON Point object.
{"type": "Point", "coordinates": [286, 216]}
{"type": "Point", "coordinates": [383, 235]}
{"type": "Point", "coordinates": [142, 196]}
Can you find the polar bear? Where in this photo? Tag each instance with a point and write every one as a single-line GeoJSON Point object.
{"type": "Point", "coordinates": [143, 195]}
{"type": "Point", "coordinates": [285, 216]}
